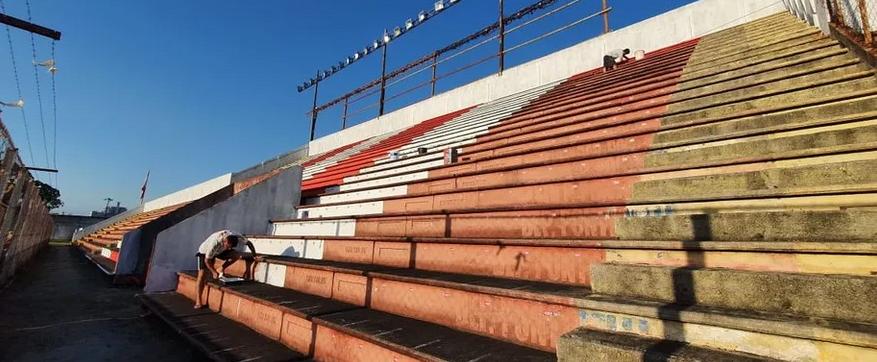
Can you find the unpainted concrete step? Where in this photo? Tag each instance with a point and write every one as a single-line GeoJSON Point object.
{"type": "Point", "coordinates": [773, 335]}
{"type": "Point", "coordinates": [842, 297]}
{"type": "Point", "coordinates": [219, 338]}
{"type": "Point", "coordinates": [582, 344]}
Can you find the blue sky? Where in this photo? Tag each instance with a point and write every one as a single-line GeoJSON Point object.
{"type": "Point", "coordinates": [194, 89]}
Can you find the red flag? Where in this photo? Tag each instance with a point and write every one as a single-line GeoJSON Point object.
{"type": "Point", "coordinates": [143, 188]}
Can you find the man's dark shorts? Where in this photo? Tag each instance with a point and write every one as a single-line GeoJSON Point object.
{"type": "Point", "coordinates": [608, 62]}
{"type": "Point", "coordinates": [202, 259]}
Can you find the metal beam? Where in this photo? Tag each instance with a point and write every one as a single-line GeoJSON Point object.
{"type": "Point", "coordinates": [52, 170]}
{"type": "Point", "coordinates": [30, 27]}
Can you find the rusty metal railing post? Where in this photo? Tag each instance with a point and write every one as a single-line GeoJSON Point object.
{"type": "Point", "coordinates": [605, 16]}
{"type": "Point", "coordinates": [314, 111]}
{"type": "Point", "coordinates": [434, 73]}
{"type": "Point", "coordinates": [866, 26]}
{"type": "Point", "coordinates": [838, 13]}
{"type": "Point", "coordinates": [383, 79]}
{"type": "Point", "coordinates": [501, 36]}
{"type": "Point", "coordinates": [344, 117]}
{"type": "Point", "coordinates": [314, 108]}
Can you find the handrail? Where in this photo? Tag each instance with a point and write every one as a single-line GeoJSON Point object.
{"type": "Point", "coordinates": [470, 65]}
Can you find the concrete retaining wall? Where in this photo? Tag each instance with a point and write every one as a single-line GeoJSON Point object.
{"type": "Point", "coordinates": [190, 193]}
{"type": "Point", "coordinates": [247, 212]}
{"type": "Point", "coordinates": [691, 21]}
{"type": "Point", "coordinates": [66, 225]}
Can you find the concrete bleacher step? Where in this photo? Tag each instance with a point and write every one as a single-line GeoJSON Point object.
{"type": "Point", "coordinates": [514, 126]}
{"type": "Point", "coordinates": [543, 312]}
{"type": "Point", "coordinates": [771, 116]}
{"type": "Point", "coordinates": [569, 261]}
{"type": "Point", "coordinates": [340, 336]}
{"type": "Point", "coordinates": [735, 103]}
{"type": "Point", "coordinates": [217, 337]}
{"type": "Point", "coordinates": [370, 176]}
{"type": "Point", "coordinates": [321, 165]}
{"type": "Point", "coordinates": [852, 133]}
{"type": "Point", "coordinates": [103, 262]}
{"type": "Point", "coordinates": [789, 120]}
{"type": "Point", "coordinates": [454, 133]}
{"type": "Point", "coordinates": [582, 344]}
{"type": "Point", "coordinates": [561, 185]}
{"type": "Point", "coordinates": [840, 297]}
{"type": "Point", "coordinates": [477, 109]}
{"type": "Point", "coordinates": [327, 329]}
{"type": "Point", "coordinates": [845, 217]}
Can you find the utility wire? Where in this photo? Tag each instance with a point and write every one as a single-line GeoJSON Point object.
{"type": "Point", "coordinates": [36, 76]}
{"type": "Point", "coordinates": [17, 83]}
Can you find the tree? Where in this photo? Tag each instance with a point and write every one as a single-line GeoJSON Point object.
{"type": "Point", "coordinates": [50, 195]}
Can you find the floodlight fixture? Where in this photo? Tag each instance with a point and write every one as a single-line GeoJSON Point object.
{"type": "Point", "coordinates": [300, 88]}
{"type": "Point", "coordinates": [48, 64]}
{"type": "Point", "coordinates": [388, 36]}
{"type": "Point", "coordinates": [15, 104]}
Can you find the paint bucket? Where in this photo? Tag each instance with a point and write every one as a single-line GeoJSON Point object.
{"type": "Point", "coordinates": [639, 54]}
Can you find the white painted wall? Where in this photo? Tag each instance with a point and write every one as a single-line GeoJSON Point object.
{"type": "Point", "coordinates": [247, 212]}
{"type": "Point", "coordinates": [690, 21]}
{"type": "Point", "coordinates": [815, 12]}
{"type": "Point", "coordinates": [190, 193]}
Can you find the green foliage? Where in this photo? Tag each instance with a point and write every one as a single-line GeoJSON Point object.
{"type": "Point", "coordinates": [50, 195]}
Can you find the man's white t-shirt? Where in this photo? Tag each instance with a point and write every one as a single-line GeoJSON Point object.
{"type": "Point", "coordinates": [617, 53]}
{"type": "Point", "coordinates": [212, 246]}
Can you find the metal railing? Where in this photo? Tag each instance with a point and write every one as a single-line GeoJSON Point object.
{"type": "Point", "coordinates": [428, 70]}
{"type": "Point", "coordinates": [853, 20]}
{"type": "Point", "coordinates": [858, 17]}
{"type": "Point", "coordinates": [25, 224]}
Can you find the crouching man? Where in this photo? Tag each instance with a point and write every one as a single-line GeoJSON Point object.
{"type": "Point", "coordinates": [227, 246]}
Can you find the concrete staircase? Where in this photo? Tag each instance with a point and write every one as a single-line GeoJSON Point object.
{"type": "Point", "coordinates": [102, 246]}
{"type": "Point", "coordinates": [714, 201]}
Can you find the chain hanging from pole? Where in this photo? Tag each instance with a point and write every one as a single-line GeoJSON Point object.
{"type": "Point", "coordinates": [54, 120]}
{"type": "Point", "coordinates": [17, 83]}
{"type": "Point", "coordinates": [36, 75]}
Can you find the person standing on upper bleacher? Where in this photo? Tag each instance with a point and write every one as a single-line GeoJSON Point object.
{"type": "Point", "coordinates": [227, 246]}
{"type": "Point", "coordinates": [615, 57]}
